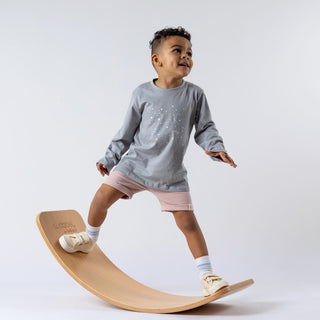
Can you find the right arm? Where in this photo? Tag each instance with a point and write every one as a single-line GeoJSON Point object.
{"type": "Point", "coordinates": [123, 138]}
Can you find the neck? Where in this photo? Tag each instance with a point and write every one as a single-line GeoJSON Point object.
{"type": "Point", "coordinates": [167, 83]}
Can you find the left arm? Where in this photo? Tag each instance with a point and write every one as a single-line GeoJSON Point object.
{"type": "Point", "coordinates": [207, 135]}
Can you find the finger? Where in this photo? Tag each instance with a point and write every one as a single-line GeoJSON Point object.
{"type": "Point", "coordinates": [105, 170]}
{"type": "Point", "coordinates": [226, 158]}
{"type": "Point", "coordinates": [100, 169]}
{"type": "Point", "coordinates": [231, 162]}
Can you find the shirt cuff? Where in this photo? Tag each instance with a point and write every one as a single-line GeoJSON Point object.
{"type": "Point", "coordinates": [218, 148]}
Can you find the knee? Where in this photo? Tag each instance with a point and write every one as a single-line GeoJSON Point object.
{"type": "Point", "coordinates": [186, 222]}
{"type": "Point", "coordinates": [101, 199]}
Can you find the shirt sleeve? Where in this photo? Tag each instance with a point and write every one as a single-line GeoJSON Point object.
{"type": "Point", "coordinates": [124, 137]}
{"type": "Point", "coordinates": [206, 134]}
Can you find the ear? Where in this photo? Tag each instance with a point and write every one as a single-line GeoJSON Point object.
{"type": "Point", "coordinates": [156, 60]}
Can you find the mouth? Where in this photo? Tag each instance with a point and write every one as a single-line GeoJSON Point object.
{"type": "Point", "coordinates": [184, 65]}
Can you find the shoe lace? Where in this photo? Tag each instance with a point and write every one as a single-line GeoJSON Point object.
{"type": "Point", "coordinates": [79, 239]}
{"type": "Point", "coordinates": [209, 279]}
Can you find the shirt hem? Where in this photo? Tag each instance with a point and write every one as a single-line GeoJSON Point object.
{"type": "Point", "coordinates": [152, 185]}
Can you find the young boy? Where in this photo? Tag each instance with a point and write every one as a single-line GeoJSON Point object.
{"type": "Point", "coordinates": [156, 133]}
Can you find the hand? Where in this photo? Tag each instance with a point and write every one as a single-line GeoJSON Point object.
{"type": "Point", "coordinates": [102, 169]}
{"type": "Point", "coordinates": [224, 157]}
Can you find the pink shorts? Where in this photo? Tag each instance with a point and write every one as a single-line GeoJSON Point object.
{"type": "Point", "coordinates": [169, 200]}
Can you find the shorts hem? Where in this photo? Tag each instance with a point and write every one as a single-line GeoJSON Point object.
{"type": "Point", "coordinates": [124, 190]}
{"type": "Point", "coordinates": [187, 207]}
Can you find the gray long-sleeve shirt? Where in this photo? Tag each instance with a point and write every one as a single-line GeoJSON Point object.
{"type": "Point", "coordinates": [156, 132]}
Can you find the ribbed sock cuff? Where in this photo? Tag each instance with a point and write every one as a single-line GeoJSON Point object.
{"type": "Point", "coordinates": [203, 265]}
{"type": "Point", "coordinates": [93, 232]}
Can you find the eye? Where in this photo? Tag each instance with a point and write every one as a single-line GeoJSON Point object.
{"type": "Point", "coordinates": [190, 54]}
{"type": "Point", "coordinates": [176, 49]}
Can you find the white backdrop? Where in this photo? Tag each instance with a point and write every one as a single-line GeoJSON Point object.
{"type": "Point", "coordinates": [67, 71]}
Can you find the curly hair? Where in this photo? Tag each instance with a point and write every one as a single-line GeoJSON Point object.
{"type": "Point", "coordinates": [161, 34]}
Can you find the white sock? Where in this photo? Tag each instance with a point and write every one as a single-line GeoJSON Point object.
{"type": "Point", "coordinates": [203, 265]}
{"type": "Point", "coordinates": [93, 232]}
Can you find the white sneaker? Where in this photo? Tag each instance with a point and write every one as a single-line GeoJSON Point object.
{"type": "Point", "coordinates": [76, 242]}
{"type": "Point", "coordinates": [212, 283]}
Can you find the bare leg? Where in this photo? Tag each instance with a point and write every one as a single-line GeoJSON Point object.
{"type": "Point", "coordinates": [103, 199]}
{"type": "Point", "coordinates": [188, 224]}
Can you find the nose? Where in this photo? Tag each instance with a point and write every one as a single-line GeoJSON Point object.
{"type": "Point", "coordinates": [185, 56]}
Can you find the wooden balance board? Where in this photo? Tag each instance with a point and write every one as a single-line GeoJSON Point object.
{"type": "Point", "coordinates": [96, 273]}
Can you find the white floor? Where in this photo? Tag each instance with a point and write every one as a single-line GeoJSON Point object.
{"type": "Point", "coordinates": [66, 299]}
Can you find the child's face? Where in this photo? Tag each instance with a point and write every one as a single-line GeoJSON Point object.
{"type": "Point", "coordinates": [175, 51]}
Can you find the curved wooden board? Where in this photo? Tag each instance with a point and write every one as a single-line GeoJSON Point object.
{"type": "Point", "coordinates": [96, 273]}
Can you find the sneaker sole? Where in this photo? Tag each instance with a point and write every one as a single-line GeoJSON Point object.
{"type": "Point", "coordinates": [68, 249]}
